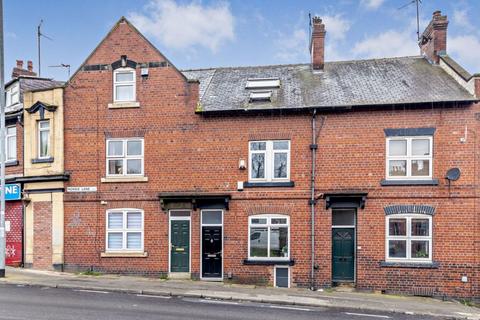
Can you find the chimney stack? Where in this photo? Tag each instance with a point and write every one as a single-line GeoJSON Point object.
{"type": "Point", "coordinates": [317, 44]}
{"type": "Point", "coordinates": [30, 65]}
{"type": "Point", "coordinates": [433, 41]}
{"type": "Point", "coordinates": [18, 70]}
{"type": "Point", "coordinates": [20, 64]}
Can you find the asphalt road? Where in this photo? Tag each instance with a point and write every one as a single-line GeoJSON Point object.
{"type": "Point", "coordinates": [31, 303]}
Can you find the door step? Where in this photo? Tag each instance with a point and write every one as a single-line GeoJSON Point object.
{"type": "Point", "coordinates": [179, 275]}
{"type": "Point", "coordinates": [344, 287]}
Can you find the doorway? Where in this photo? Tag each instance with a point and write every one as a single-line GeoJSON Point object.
{"type": "Point", "coordinates": [212, 244]}
{"type": "Point", "coordinates": [343, 245]}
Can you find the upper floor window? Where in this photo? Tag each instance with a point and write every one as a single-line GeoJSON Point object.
{"type": "Point", "coordinates": [11, 143]}
{"type": "Point", "coordinates": [269, 237]}
{"type": "Point", "coordinates": [409, 157]}
{"type": "Point", "coordinates": [124, 230]}
{"type": "Point", "coordinates": [124, 85]}
{"type": "Point", "coordinates": [125, 157]}
{"type": "Point", "coordinates": [269, 160]}
{"type": "Point", "coordinates": [12, 95]}
{"type": "Point", "coordinates": [43, 128]}
{"type": "Point", "coordinates": [409, 238]}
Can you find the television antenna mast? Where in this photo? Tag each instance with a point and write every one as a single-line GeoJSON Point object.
{"type": "Point", "coordinates": [62, 65]}
{"type": "Point", "coordinates": [39, 37]}
{"type": "Point", "coordinates": [417, 3]}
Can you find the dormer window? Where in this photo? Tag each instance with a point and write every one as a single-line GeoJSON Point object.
{"type": "Point", "coordinates": [12, 95]}
{"type": "Point", "coordinates": [124, 85]}
{"type": "Point", "coordinates": [263, 83]}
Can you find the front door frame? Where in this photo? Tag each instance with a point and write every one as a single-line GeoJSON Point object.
{"type": "Point", "coordinates": [354, 227]}
{"type": "Point", "coordinates": [184, 218]}
{"type": "Point", "coordinates": [201, 243]}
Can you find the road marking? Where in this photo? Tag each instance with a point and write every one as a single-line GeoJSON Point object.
{"type": "Point", "coordinates": [92, 291]}
{"type": "Point", "coordinates": [290, 308]}
{"type": "Point", "coordinates": [367, 315]}
{"type": "Point", "coordinates": [152, 296]}
{"type": "Point", "coordinates": [219, 302]}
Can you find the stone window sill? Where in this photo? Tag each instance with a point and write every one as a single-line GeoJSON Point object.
{"type": "Point", "coordinates": [123, 179]}
{"type": "Point", "coordinates": [124, 105]}
{"type": "Point", "coordinates": [285, 184]}
{"type": "Point", "coordinates": [431, 182]}
{"type": "Point", "coordinates": [43, 160]}
{"type": "Point", "coordinates": [124, 254]}
{"type": "Point", "coordinates": [11, 163]}
{"type": "Point", "coordinates": [411, 265]}
{"type": "Point", "coordinates": [269, 262]}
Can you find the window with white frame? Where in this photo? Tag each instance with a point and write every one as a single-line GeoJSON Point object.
{"type": "Point", "coordinates": [269, 237]}
{"type": "Point", "coordinates": [43, 138]}
{"type": "Point", "coordinates": [125, 157]}
{"type": "Point", "coordinates": [124, 87]}
{"type": "Point", "coordinates": [409, 238]}
{"type": "Point", "coordinates": [11, 143]}
{"type": "Point", "coordinates": [124, 230]}
{"type": "Point", "coordinates": [269, 160]}
{"type": "Point", "coordinates": [409, 158]}
{"type": "Point", "coordinates": [12, 95]}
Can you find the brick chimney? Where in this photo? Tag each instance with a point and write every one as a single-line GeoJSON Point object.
{"type": "Point", "coordinates": [433, 41]}
{"type": "Point", "coordinates": [19, 71]}
{"type": "Point", "coordinates": [317, 44]}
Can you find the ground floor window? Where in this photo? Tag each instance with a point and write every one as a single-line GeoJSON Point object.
{"type": "Point", "coordinates": [124, 230]}
{"type": "Point", "coordinates": [269, 237]}
{"type": "Point", "coordinates": [409, 238]}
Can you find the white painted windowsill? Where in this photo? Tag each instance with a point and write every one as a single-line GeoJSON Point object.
{"type": "Point", "coordinates": [124, 105]}
{"type": "Point", "coordinates": [123, 179]}
{"type": "Point", "coordinates": [120, 254]}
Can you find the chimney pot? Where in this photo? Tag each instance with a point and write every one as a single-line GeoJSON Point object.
{"type": "Point", "coordinates": [437, 13]}
{"type": "Point", "coordinates": [30, 65]}
{"type": "Point", "coordinates": [20, 64]}
{"type": "Point", "coordinates": [317, 44]}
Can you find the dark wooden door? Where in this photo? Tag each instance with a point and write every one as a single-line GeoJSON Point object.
{"type": "Point", "coordinates": [212, 252]}
{"type": "Point", "coordinates": [180, 246]}
{"type": "Point", "coordinates": [343, 254]}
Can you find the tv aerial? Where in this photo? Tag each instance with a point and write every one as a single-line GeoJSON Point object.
{"type": "Point", "coordinates": [417, 3]}
{"type": "Point", "coordinates": [62, 65]}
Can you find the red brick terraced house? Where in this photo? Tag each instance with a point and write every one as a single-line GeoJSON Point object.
{"type": "Point", "coordinates": [309, 175]}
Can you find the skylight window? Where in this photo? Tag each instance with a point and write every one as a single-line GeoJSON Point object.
{"type": "Point", "coordinates": [263, 83]}
{"type": "Point", "coordinates": [265, 95]}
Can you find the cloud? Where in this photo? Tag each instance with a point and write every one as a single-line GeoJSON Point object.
{"type": "Point", "coordinates": [372, 4]}
{"type": "Point", "coordinates": [186, 26]}
{"type": "Point", "coordinates": [336, 26]}
{"type": "Point", "coordinates": [465, 49]}
{"type": "Point", "coordinates": [391, 43]}
{"type": "Point", "coordinates": [293, 46]}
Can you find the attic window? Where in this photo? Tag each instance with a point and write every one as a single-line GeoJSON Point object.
{"type": "Point", "coordinates": [265, 95]}
{"type": "Point", "coordinates": [263, 83]}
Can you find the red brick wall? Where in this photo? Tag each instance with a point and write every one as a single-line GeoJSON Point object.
{"type": "Point", "coordinates": [189, 152]}
{"type": "Point", "coordinates": [42, 235]}
{"type": "Point", "coordinates": [14, 214]}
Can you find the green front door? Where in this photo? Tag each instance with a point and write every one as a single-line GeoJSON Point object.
{"type": "Point", "coordinates": [180, 245]}
{"type": "Point", "coordinates": [343, 254]}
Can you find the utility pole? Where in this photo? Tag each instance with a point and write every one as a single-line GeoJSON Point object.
{"type": "Point", "coordinates": [2, 150]}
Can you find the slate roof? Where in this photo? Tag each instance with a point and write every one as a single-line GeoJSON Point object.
{"type": "Point", "coordinates": [388, 81]}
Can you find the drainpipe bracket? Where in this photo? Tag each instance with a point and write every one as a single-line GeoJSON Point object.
{"type": "Point", "coordinates": [314, 146]}
{"type": "Point", "coordinates": [312, 202]}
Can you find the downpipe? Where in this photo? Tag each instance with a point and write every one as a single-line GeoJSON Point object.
{"type": "Point", "coordinates": [313, 148]}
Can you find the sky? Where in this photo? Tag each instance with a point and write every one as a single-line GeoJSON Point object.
{"type": "Point", "coordinates": [211, 33]}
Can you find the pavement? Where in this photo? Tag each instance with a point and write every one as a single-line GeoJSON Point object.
{"type": "Point", "coordinates": [243, 293]}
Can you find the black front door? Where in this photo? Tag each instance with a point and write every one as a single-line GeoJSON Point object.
{"type": "Point", "coordinates": [180, 245]}
{"type": "Point", "coordinates": [343, 254]}
{"type": "Point", "coordinates": [212, 252]}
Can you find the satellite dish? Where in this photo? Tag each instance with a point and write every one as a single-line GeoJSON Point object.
{"type": "Point", "coordinates": [453, 174]}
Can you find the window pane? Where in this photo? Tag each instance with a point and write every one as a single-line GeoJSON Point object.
{"type": "Point", "coordinates": [212, 217]}
{"type": "Point", "coordinates": [420, 249]}
{"type": "Point", "coordinates": [12, 148]}
{"type": "Point", "coordinates": [343, 217]}
{"type": "Point", "coordinates": [115, 166]}
{"type": "Point", "coordinates": [124, 76]}
{"type": "Point", "coordinates": [258, 146]}
{"type": "Point", "coordinates": [421, 147]}
{"type": "Point", "coordinates": [115, 220]}
{"type": "Point", "coordinates": [259, 221]}
{"type": "Point", "coordinates": [115, 148]}
{"type": "Point", "coordinates": [279, 242]}
{"type": "Point", "coordinates": [115, 240]}
{"type": "Point", "coordinates": [258, 165]}
{"type": "Point", "coordinates": [134, 220]}
{"type": "Point", "coordinates": [397, 147]}
{"type": "Point", "coordinates": [420, 167]}
{"type": "Point", "coordinates": [134, 166]}
{"type": "Point", "coordinates": [134, 240]}
{"type": "Point", "coordinates": [44, 143]}
{"type": "Point", "coordinates": [397, 227]}
{"type": "Point", "coordinates": [124, 93]}
{"type": "Point", "coordinates": [280, 145]}
{"type": "Point", "coordinates": [258, 242]}
{"type": "Point", "coordinates": [11, 131]}
{"type": "Point", "coordinates": [134, 148]}
{"type": "Point", "coordinates": [279, 220]}
{"type": "Point", "coordinates": [44, 124]}
{"type": "Point", "coordinates": [420, 227]}
{"type": "Point", "coordinates": [397, 249]}
{"type": "Point", "coordinates": [280, 163]}
{"type": "Point", "coordinates": [397, 168]}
